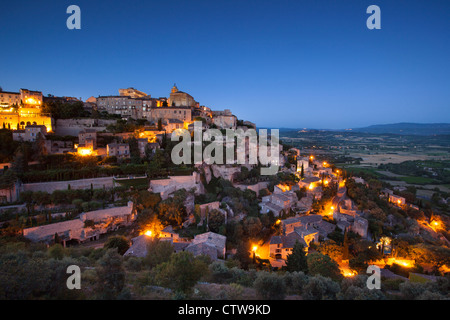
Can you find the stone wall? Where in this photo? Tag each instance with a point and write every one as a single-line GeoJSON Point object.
{"type": "Point", "coordinates": [167, 186]}
{"type": "Point", "coordinates": [255, 187]}
{"type": "Point", "coordinates": [72, 127]}
{"type": "Point", "coordinates": [97, 183]}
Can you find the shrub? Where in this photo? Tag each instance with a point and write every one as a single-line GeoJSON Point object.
{"type": "Point", "coordinates": [321, 288]}
{"type": "Point", "coordinates": [119, 242]}
{"type": "Point", "coordinates": [220, 272]}
{"type": "Point", "coordinates": [56, 251]}
{"type": "Point", "coordinates": [295, 282]}
{"type": "Point", "coordinates": [133, 264]}
{"type": "Point", "coordinates": [270, 286]}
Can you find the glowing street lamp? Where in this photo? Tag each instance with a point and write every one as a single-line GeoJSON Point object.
{"type": "Point", "coordinates": [254, 253]}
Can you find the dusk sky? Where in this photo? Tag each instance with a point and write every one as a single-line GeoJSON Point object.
{"type": "Point", "coordinates": [305, 63]}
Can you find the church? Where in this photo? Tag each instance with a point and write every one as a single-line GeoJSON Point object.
{"type": "Point", "coordinates": [179, 98]}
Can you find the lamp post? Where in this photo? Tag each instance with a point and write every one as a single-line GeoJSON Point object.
{"type": "Point", "coordinates": [254, 253]}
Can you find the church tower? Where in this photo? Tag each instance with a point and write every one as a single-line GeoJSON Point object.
{"type": "Point", "coordinates": [174, 88]}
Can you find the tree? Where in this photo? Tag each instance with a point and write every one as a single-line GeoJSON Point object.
{"type": "Point", "coordinates": [252, 227]}
{"type": "Point", "coordinates": [243, 254]}
{"type": "Point", "coordinates": [160, 127]}
{"type": "Point", "coordinates": [111, 275]}
{"type": "Point", "coordinates": [27, 197]}
{"type": "Point", "coordinates": [181, 272]}
{"type": "Point", "coordinates": [297, 261]}
{"type": "Point", "coordinates": [147, 199]}
{"type": "Point", "coordinates": [119, 242]}
{"type": "Point", "coordinates": [56, 251]}
{"type": "Point", "coordinates": [216, 219]}
{"type": "Point", "coordinates": [345, 253]}
{"type": "Point", "coordinates": [320, 288]}
{"type": "Point", "coordinates": [7, 181]}
{"type": "Point", "coordinates": [270, 286]}
{"type": "Point", "coordinates": [20, 163]}
{"type": "Point", "coordinates": [355, 288]}
{"type": "Point", "coordinates": [320, 264]}
{"type": "Point", "coordinates": [331, 249]}
{"type": "Point", "coordinates": [171, 211]}
{"type": "Point", "coordinates": [158, 252]}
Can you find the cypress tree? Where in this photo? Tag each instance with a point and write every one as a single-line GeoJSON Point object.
{"type": "Point", "coordinates": [345, 254]}
{"type": "Point", "coordinates": [296, 261]}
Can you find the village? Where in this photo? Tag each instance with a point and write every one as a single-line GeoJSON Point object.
{"type": "Point", "coordinates": [99, 181]}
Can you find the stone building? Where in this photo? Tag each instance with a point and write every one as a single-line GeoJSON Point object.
{"type": "Point", "coordinates": [9, 98]}
{"type": "Point", "coordinates": [165, 187]}
{"type": "Point", "coordinates": [24, 96]}
{"type": "Point", "coordinates": [77, 230]}
{"type": "Point", "coordinates": [119, 150]}
{"type": "Point", "coordinates": [179, 98]}
{"type": "Point", "coordinates": [28, 110]}
{"type": "Point", "coordinates": [209, 243]}
{"type": "Point", "coordinates": [87, 137]}
{"type": "Point", "coordinates": [224, 119]}
{"type": "Point", "coordinates": [281, 246]}
{"type": "Point", "coordinates": [397, 200]}
{"type": "Point", "coordinates": [125, 106]}
{"type": "Point", "coordinates": [133, 93]}
{"type": "Point", "coordinates": [166, 113]}
{"type": "Point", "coordinates": [30, 134]}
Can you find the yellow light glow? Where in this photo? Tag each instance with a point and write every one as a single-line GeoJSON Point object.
{"type": "Point", "coordinates": [348, 274]}
{"type": "Point", "coordinates": [444, 269]}
{"type": "Point", "coordinates": [85, 151]}
{"type": "Point", "coordinates": [332, 208]}
{"type": "Point", "coordinates": [148, 233]}
{"type": "Point", "coordinates": [436, 225]}
{"type": "Point", "coordinates": [401, 262]}
{"type": "Point", "coordinates": [254, 248]}
{"type": "Point", "coordinates": [311, 186]}
{"type": "Point", "coordinates": [284, 187]}
{"type": "Point", "coordinates": [278, 221]}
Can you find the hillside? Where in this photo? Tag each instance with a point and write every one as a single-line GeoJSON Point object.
{"type": "Point", "coordinates": [408, 128]}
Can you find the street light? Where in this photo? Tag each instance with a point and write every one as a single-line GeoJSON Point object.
{"type": "Point", "coordinates": [254, 253]}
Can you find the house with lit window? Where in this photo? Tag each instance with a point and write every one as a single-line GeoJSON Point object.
{"type": "Point", "coordinates": [397, 200]}
{"type": "Point", "coordinates": [30, 134]}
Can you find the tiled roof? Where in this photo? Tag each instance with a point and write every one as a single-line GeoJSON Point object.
{"type": "Point", "coordinates": [276, 240]}
{"type": "Point", "coordinates": [99, 215]}
{"type": "Point", "coordinates": [310, 218]}
{"type": "Point", "coordinates": [290, 240]}
{"type": "Point", "coordinates": [139, 246]}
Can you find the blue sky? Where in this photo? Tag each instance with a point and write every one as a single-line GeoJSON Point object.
{"type": "Point", "coordinates": [305, 63]}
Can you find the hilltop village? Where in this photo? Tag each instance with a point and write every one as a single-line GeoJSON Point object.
{"type": "Point", "coordinates": [81, 177]}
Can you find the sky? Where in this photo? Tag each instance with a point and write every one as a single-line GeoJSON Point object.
{"type": "Point", "coordinates": [279, 64]}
